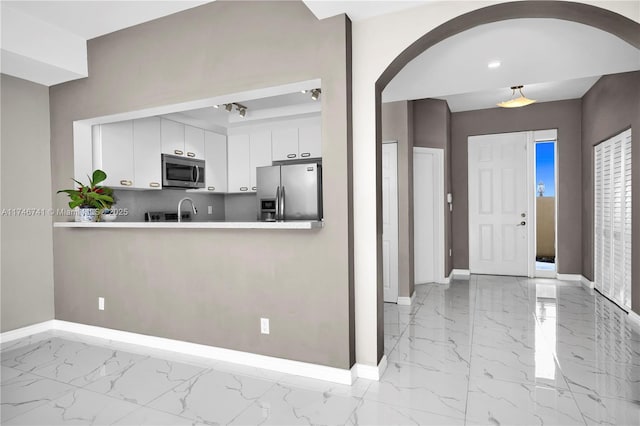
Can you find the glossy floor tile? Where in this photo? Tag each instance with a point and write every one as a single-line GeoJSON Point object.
{"type": "Point", "coordinates": [486, 350]}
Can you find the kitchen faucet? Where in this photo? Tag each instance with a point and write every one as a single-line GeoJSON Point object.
{"type": "Point", "coordinates": [193, 207]}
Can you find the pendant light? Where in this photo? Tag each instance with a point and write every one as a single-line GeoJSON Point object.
{"type": "Point", "coordinates": [516, 102]}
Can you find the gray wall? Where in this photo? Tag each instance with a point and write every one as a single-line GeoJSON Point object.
{"type": "Point", "coordinates": [562, 115]}
{"type": "Point", "coordinates": [609, 107]}
{"type": "Point", "coordinates": [432, 129]}
{"type": "Point", "coordinates": [27, 256]}
{"type": "Point", "coordinates": [397, 125]}
{"type": "Point", "coordinates": [212, 286]}
{"type": "Point", "coordinates": [240, 207]}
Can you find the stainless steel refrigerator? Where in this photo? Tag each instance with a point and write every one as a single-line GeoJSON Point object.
{"type": "Point", "coordinates": [289, 192]}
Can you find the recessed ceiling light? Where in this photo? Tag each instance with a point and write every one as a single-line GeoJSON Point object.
{"type": "Point", "coordinates": [494, 64]}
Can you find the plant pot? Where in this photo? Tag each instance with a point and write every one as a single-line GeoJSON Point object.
{"type": "Point", "coordinates": [108, 215]}
{"type": "Point", "coordinates": [86, 214]}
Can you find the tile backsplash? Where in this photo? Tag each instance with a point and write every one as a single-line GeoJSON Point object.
{"type": "Point", "coordinates": [139, 202]}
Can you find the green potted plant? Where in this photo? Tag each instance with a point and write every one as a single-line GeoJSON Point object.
{"type": "Point", "coordinates": [92, 199]}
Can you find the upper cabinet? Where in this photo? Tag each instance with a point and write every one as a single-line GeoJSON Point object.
{"type": "Point", "coordinates": [310, 141]}
{"type": "Point", "coordinates": [300, 142]}
{"type": "Point", "coordinates": [113, 153]}
{"type": "Point", "coordinates": [259, 154]}
{"type": "Point", "coordinates": [194, 142]}
{"type": "Point", "coordinates": [129, 153]}
{"type": "Point", "coordinates": [238, 163]}
{"type": "Point", "coordinates": [180, 139]}
{"type": "Point", "coordinates": [147, 153]}
{"type": "Point", "coordinates": [215, 157]}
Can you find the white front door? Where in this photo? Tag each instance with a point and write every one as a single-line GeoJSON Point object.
{"type": "Point", "coordinates": [390, 221]}
{"type": "Point", "coordinates": [498, 204]}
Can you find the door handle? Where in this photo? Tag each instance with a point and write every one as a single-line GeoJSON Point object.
{"type": "Point", "coordinates": [523, 223]}
{"type": "Point", "coordinates": [282, 203]}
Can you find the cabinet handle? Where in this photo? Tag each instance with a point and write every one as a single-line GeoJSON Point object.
{"type": "Point", "coordinates": [154, 184]}
{"type": "Point", "coordinates": [244, 188]}
{"type": "Point", "coordinates": [126, 182]}
{"type": "Point", "coordinates": [178, 152]}
{"type": "Point", "coordinates": [190, 154]}
{"type": "Point", "coordinates": [305, 154]}
{"type": "Point", "coordinates": [253, 188]}
{"type": "Point", "coordinates": [291, 155]}
{"type": "Point", "coordinates": [211, 188]}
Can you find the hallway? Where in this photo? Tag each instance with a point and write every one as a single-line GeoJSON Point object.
{"type": "Point", "coordinates": [489, 350]}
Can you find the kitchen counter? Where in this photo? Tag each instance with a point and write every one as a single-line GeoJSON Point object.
{"type": "Point", "coordinates": [194, 225]}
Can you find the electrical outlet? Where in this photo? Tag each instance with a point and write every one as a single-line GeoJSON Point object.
{"type": "Point", "coordinates": [210, 209]}
{"type": "Point", "coordinates": [101, 303]}
{"type": "Point", "coordinates": [264, 325]}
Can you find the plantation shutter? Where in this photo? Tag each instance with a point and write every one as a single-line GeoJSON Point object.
{"type": "Point", "coordinates": [612, 218]}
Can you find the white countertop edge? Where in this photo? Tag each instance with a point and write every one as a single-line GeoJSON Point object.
{"type": "Point", "coordinates": [194, 225]}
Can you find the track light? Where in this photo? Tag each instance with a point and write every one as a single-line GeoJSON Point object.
{"type": "Point", "coordinates": [315, 94]}
{"type": "Point", "coordinates": [242, 110]}
{"type": "Point", "coordinates": [228, 107]}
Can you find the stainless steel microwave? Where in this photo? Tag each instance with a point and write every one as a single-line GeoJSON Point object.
{"type": "Point", "coordinates": [181, 172]}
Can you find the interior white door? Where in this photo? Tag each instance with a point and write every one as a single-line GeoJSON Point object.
{"type": "Point", "coordinates": [424, 215]}
{"type": "Point", "coordinates": [390, 221]}
{"type": "Point", "coordinates": [498, 209]}
{"type": "Point", "coordinates": [612, 218]}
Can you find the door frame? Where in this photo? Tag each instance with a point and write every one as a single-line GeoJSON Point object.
{"type": "Point", "coordinates": [396, 254]}
{"type": "Point", "coordinates": [439, 206]}
{"type": "Point", "coordinates": [534, 137]}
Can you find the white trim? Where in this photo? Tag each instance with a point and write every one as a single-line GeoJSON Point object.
{"type": "Point", "coordinates": [569, 277]}
{"type": "Point", "coordinates": [314, 371]}
{"type": "Point", "coordinates": [371, 372]}
{"type": "Point", "coordinates": [585, 281]}
{"type": "Point", "coordinates": [407, 301]}
{"type": "Point", "coordinates": [544, 274]}
{"type": "Point", "coordinates": [460, 273]}
{"type": "Point", "coordinates": [21, 333]}
{"type": "Point", "coordinates": [635, 318]}
{"type": "Point", "coordinates": [446, 280]}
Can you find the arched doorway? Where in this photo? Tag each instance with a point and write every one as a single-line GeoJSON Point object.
{"type": "Point", "coordinates": [613, 23]}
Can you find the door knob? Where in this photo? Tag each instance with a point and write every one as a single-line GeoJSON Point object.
{"type": "Point", "coordinates": [523, 223]}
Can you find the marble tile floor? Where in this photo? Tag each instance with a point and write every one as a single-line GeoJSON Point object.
{"type": "Point", "coordinates": [486, 350]}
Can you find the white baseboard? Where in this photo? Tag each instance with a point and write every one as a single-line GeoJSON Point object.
{"type": "Point", "coordinates": [576, 277]}
{"type": "Point", "coordinates": [27, 331]}
{"type": "Point", "coordinates": [589, 284]}
{"type": "Point", "coordinates": [460, 273]}
{"type": "Point", "coordinates": [371, 372]}
{"type": "Point", "coordinates": [314, 371]}
{"type": "Point", "coordinates": [407, 301]}
{"type": "Point", "coordinates": [635, 319]}
{"type": "Point", "coordinates": [569, 277]}
{"type": "Point", "coordinates": [445, 280]}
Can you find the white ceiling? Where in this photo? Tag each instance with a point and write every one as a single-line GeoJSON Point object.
{"type": "Point", "coordinates": [538, 53]}
{"type": "Point", "coordinates": [89, 19]}
{"type": "Point", "coordinates": [45, 41]}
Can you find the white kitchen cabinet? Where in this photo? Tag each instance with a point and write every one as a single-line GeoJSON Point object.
{"type": "Point", "coordinates": [182, 140]}
{"type": "Point", "coordinates": [113, 153]}
{"type": "Point", "coordinates": [259, 154]}
{"type": "Point", "coordinates": [193, 142]}
{"type": "Point", "coordinates": [310, 141]}
{"type": "Point", "coordinates": [215, 156]}
{"type": "Point", "coordinates": [172, 136]}
{"type": "Point", "coordinates": [147, 153]}
{"type": "Point", "coordinates": [238, 152]}
{"type": "Point", "coordinates": [284, 144]}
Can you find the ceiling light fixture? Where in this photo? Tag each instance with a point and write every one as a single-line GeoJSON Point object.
{"type": "Point", "coordinates": [494, 64]}
{"type": "Point", "coordinates": [516, 102]}
{"type": "Point", "coordinates": [228, 107]}
{"type": "Point", "coordinates": [315, 94]}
